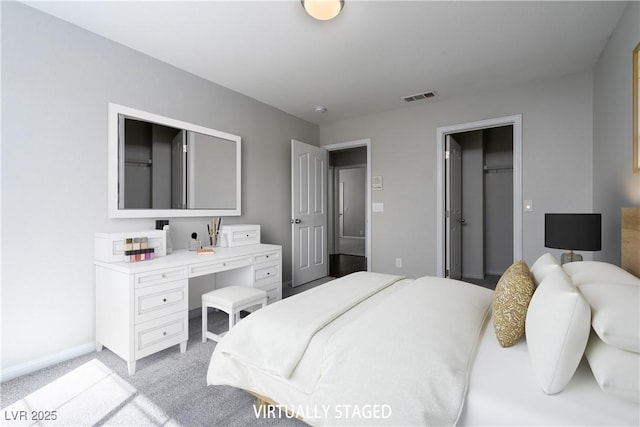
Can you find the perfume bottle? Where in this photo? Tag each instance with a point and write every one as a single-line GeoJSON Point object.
{"type": "Point", "coordinates": [194, 243]}
{"type": "Point", "coordinates": [169, 245]}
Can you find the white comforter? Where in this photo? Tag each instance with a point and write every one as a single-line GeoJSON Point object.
{"type": "Point", "coordinates": [400, 356]}
{"type": "Point", "coordinates": [276, 343]}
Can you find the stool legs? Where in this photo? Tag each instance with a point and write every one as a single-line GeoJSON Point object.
{"type": "Point", "coordinates": [204, 323]}
{"type": "Point", "coordinates": [232, 318]}
{"type": "Point", "coordinates": [232, 309]}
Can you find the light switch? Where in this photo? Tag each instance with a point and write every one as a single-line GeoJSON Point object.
{"type": "Point", "coordinates": [376, 182]}
{"type": "Point", "coordinates": [377, 207]}
{"type": "Point", "coordinates": [528, 205]}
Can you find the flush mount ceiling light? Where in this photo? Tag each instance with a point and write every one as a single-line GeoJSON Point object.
{"type": "Point", "coordinates": [323, 10]}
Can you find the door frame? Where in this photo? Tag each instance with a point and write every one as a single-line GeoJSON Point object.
{"type": "Point", "coordinates": [353, 144]}
{"type": "Point", "coordinates": [441, 133]}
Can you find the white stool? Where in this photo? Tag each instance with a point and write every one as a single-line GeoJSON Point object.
{"type": "Point", "coordinates": [231, 300]}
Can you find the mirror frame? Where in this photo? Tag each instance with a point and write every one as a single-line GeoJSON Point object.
{"type": "Point", "coordinates": [113, 164]}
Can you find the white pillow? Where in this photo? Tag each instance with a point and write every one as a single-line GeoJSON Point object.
{"type": "Point", "coordinates": [543, 266]}
{"type": "Point", "coordinates": [557, 330]}
{"type": "Point", "coordinates": [615, 310]}
{"type": "Point", "coordinates": [582, 272]}
{"type": "Point", "coordinates": [616, 371]}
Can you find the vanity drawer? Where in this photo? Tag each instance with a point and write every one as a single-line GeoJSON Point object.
{"type": "Point", "coordinates": [241, 234]}
{"type": "Point", "coordinates": [274, 292]}
{"type": "Point", "coordinates": [161, 333]}
{"type": "Point", "coordinates": [266, 273]}
{"type": "Point", "coordinates": [267, 256]}
{"type": "Point", "coordinates": [215, 266]}
{"type": "Point", "coordinates": [156, 277]}
{"type": "Point", "coordinates": [156, 301]}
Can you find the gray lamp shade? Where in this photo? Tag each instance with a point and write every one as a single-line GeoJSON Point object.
{"type": "Point", "coordinates": [576, 232]}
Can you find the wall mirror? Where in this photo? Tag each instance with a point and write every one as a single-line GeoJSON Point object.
{"type": "Point", "coordinates": [636, 109]}
{"type": "Point", "coordinates": [161, 167]}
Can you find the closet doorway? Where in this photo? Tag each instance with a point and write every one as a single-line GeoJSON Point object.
{"type": "Point", "coordinates": [490, 217]}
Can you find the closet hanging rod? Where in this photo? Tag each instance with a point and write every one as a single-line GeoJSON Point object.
{"type": "Point", "coordinates": [495, 169]}
{"type": "Point", "coordinates": [146, 162]}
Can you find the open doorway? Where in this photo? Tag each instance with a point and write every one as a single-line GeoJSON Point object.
{"type": "Point", "coordinates": [348, 207]}
{"type": "Point", "coordinates": [506, 164]}
{"type": "Point", "coordinates": [314, 208]}
{"type": "Point", "coordinates": [347, 178]}
{"type": "Point", "coordinates": [486, 190]}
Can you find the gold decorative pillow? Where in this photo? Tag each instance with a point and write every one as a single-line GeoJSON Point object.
{"type": "Point", "coordinates": [510, 303]}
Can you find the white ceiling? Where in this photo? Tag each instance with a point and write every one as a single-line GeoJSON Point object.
{"type": "Point", "coordinates": [365, 60]}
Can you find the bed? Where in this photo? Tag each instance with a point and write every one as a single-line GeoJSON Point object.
{"type": "Point", "coordinates": [377, 349]}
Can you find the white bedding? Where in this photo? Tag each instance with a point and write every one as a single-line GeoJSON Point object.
{"type": "Point", "coordinates": [372, 364]}
{"type": "Point", "coordinates": [373, 354]}
{"type": "Point", "coordinates": [297, 320]}
{"type": "Point", "coordinates": [503, 391]}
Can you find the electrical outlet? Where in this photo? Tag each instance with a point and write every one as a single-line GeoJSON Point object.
{"type": "Point", "coordinates": [398, 262]}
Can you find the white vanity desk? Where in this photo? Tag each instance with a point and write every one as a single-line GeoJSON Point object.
{"type": "Point", "coordinates": [142, 307]}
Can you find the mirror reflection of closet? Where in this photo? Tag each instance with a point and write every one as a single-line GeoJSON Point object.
{"type": "Point", "coordinates": [164, 167]}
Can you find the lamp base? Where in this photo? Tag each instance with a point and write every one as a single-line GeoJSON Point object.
{"type": "Point", "coordinates": [570, 257]}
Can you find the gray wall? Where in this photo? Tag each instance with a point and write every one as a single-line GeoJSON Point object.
{"type": "Point", "coordinates": [615, 184]}
{"type": "Point", "coordinates": [56, 82]}
{"type": "Point", "coordinates": [557, 137]}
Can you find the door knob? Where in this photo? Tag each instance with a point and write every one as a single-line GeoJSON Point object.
{"type": "Point", "coordinates": [295, 221]}
{"type": "Point", "coordinates": [462, 220]}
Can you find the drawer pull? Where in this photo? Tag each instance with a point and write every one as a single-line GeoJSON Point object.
{"type": "Point", "coordinates": [164, 300]}
{"type": "Point", "coordinates": [164, 333]}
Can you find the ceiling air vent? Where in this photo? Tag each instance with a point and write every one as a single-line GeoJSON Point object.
{"type": "Point", "coordinates": [420, 96]}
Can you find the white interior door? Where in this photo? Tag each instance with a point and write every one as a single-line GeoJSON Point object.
{"type": "Point", "coordinates": [454, 220]}
{"type": "Point", "coordinates": [309, 165]}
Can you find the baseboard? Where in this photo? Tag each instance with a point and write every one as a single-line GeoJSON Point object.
{"type": "Point", "coordinates": [46, 361]}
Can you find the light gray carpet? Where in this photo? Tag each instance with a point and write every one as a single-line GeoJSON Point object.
{"type": "Point", "coordinates": [168, 388]}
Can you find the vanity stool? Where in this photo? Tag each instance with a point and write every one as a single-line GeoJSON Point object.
{"type": "Point", "coordinates": [231, 300]}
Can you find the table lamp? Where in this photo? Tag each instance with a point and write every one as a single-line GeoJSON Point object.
{"type": "Point", "coordinates": [573, 231]}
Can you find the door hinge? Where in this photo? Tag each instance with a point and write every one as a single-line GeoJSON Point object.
{"type": "Point", "coordinates": [446, 273]}
{"type": "Point", "coordinates": [446, 155]}
{"type": "Point", "coordinates": [447, 214]}
{"type": "Point", "coordinates": [184, 148]}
